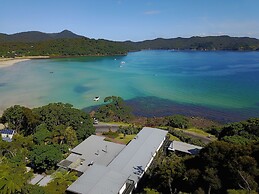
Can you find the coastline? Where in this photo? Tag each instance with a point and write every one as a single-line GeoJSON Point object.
{"type": "Point", "coordinates": [6, 62]}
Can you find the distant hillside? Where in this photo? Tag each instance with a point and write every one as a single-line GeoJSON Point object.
{"type": "Point", "coordinates": [67, 43]}
{"type": "Point", "coordinates": [199, 43]}
{"type": "Point", "coordinates": [61, 44]}
{"type": "Point", "coordinates": [35, 36]}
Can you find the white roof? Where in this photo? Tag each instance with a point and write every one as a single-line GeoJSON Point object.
{"type": "Point", "coordinates": [93, 150]}
{"type": "Point", "coordinates": [184, 147]}
{"type": "Point", "coordinates": [98, 180]}
{"type": "Point", "coordinates": [130, 163]}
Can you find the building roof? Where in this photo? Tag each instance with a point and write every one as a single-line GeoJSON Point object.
{"type": "Point", "coordinates": [184, 147]}
{"type": "Point", "coordinates": [99, 180]}
{"type": "Point", "coordinates": [134, 158]}
{"type": "Point", "coordinates": [92, 150]}
{"type": "Point", "coordinates": [7, 131]}
{"type": "Point", "coordinates": [130, 163]}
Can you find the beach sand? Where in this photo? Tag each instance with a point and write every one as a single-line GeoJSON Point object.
{"type": "Point", "coordinates": [6, 62]}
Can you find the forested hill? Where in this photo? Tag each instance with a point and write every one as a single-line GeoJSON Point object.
{"type": "Point", "coordinates": [67, 43]}
{"type": "Point", "coordinates": [36, 36]}
{"type": "Point", "coordinates": [199, 43]}
{"type": "Point", "coordinates": [61, 44]}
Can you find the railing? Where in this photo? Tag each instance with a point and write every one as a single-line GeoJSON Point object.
{"type": "Point", "coordinates": [129, 187]}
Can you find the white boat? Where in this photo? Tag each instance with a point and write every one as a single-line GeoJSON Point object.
{"type": "Point", "coordinates": [96, 98]}
{"type": "Point", "coordinates": [123, 62]}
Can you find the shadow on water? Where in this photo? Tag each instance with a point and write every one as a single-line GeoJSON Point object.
{"type": "Point", "coordinates": [157, 107]}
{"type": "Point", "coordinates": [3, 84]}
{"type": "Point", "coordinates": [81, 89]}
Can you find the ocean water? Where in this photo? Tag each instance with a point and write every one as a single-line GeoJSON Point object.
{"type": "Point", "coordinates": [219, 84]}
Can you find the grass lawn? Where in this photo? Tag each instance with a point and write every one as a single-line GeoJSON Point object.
{"type": "Point", "coordinates": [201, 132]}
{"type": "Point", "coordinates": [124, 140]}
{"type": "Point", "coordinates": [120, 138]}
{"type": "Point", "coordinates": [120, 124]}
{"type": "Point", "coordinates": [197, 131]}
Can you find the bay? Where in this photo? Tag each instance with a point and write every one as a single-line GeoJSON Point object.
{"type": "Point", "coordinates": [221, 85]}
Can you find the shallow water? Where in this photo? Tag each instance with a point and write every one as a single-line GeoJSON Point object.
{"type": "Point", "coordinates": [217, 81]}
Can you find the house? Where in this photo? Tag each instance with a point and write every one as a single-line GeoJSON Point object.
{"type": "Point", "coordinates": [7, 134]}
{"type": "Point", "coordinates": [178, 146]}
{"type": "Point", "coordinates": [93, 150]}
{"type": "Point", "coordinates": [111, 168]}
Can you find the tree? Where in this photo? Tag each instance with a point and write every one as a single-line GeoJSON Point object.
{"type": "Point", "coordinates": [60, 182]}
{"type": "Point", "coordinates": [178, 121]}
{"type": "Point", "coordinates": [42, 134]}
{"type": "Point", "coordinates": [166, 173]}
{"type": "Point", "coordinates": [17, 150]}
{"type": "Point", "coordinates": [20, 119]}
{"type": "Point", "coordinates": [115, 110]}
{"type": "Point", "coordinates": [211, 179]}
{"type": "Point", "coordinates": [33, 189]}
{"type": "Point", "coordinates": [12, 177]}
{"type": "Point", "coordinates": [59, 114]}
{"type": "Point", "coordinates": [45, 157]}
{"type": "Point", "coordinates": [70, 137]}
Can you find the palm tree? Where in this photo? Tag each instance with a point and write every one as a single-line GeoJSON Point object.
{"type": "Point", "coordinates": [60, 182]}
{"type": "Point", "coordinates": [12, 178]}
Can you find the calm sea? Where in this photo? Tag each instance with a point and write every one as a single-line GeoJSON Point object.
{"type": "Point", "coordinates": [219, 85]}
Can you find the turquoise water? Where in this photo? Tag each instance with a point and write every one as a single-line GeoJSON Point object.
{"type": "Point", "coordinates": [219, 80]}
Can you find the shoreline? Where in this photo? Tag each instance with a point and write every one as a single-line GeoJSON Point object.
{"type": "Point", "coordinates": [7, 62]}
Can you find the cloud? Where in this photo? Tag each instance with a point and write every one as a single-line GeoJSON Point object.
{"type": "Point", "coordinates": [152, 12]}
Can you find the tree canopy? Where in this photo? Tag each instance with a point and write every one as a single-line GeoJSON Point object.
{"type": "Point", "coordinates": [115, 110]}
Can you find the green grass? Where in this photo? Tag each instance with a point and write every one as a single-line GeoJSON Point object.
{"type": "Point", "coordinates": [124, 140]}
{"type": "Point", "coordinates": [120, 124]}
{"type": "Point", "coordinates": [195, 130]}
{"type": "Point", "coordinates": [150, 191]}
{"type": "Point", "coordinates": [120, 138]}
{"type": "Point", "coordinates": [173, 138]}
{"type": "Point", "coordinates": [198, 131]}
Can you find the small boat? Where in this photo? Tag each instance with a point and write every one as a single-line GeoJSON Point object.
{"type": "Point", "coordinates": [96, 98]}
{"type": "Point", "coordinates": [123, 62]}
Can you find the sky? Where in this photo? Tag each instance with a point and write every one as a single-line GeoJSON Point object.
{"type": "Point", "coordinates": [134, 20]}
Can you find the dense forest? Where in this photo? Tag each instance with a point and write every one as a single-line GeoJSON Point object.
{"type": "Point", "coordinates": [66, 44]}
{"type": "Point", "coordinates": [200, 43]}
{"type": "Point", "coordinates": [228, 163]}
{"type": "Point", "coordinates": [43, 137]}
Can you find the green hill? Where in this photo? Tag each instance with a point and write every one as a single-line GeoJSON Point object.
{"type": "Point", "coordinates": [35, 36]}
{"type": "Point", "coordinates": [67, 43]}
{"type": "Point", "coordinates": [199, 43]}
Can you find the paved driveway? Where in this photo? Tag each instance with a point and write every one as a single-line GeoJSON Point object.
{"type": "Point", "coordinates": [104, 127]}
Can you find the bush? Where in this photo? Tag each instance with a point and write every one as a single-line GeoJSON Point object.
{"type": "Point", "coordinates": [111, 134]}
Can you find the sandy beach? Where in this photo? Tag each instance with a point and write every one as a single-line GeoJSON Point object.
{"type": "Point", "coordinates": [6, 62]}
{"type": "Point", "coordinates": [9, 62]}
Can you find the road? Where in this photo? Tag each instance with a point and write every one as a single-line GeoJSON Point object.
{"type": "Point", "coordinates": [104, 127]}
{"type": "Point", "coordinates": [204, 139]}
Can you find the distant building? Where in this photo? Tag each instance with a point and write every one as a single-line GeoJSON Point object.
{"type": "Point", "coordinates": [178, 146]}
{"type": "Point", "coordinates": [7, 134]}
{"type": "Point", "coordinates": [110, 168]}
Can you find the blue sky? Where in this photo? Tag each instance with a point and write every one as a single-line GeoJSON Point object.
{"type": "Point", "coordinates": [132, 19]}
